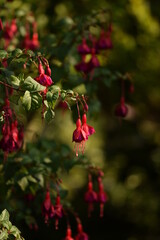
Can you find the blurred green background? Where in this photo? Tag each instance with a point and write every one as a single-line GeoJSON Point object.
{"type": "Point", "coordinates": [128, 151]}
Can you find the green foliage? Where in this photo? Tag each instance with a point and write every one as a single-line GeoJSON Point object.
{"type": "Point", "coordinates": [7, 230]}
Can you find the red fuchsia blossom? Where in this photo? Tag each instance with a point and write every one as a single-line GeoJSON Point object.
{"type": "Point", "coordinates": [79, 137]}
{"type": "Point", "coordinates": [121, 109]}
{"type": "Point", "coordinates": [81, 235]}
{"type": "Point", "coordinates": [58, 211]}
{"type": "Point", "coordinates": [85, 127]}
{"type": "Point", "coordinates": [83, 66]}
{"type": "Point", "coordinates": [83, 48]}
{"type": "Point", "coordinates": [102, 196]}
{"type": "Point", "coordinates": [48, 70]}
{"type": "Point", "coordinates": [12, 134]}
{"type": "Point", "coordinates": [9, 31]}
{"type": "Point", "coordinates": [90, 197]}
{"type": "Point", "coordinates": [43, 79]}
{"type": "Point", "coordinates": [1, 25]}
{"type": "Point", "coordinates": [68, 234]}
{"type": "Point", "coordinates": [47, 208]}
{"type": "Point", "coordinates": [104, 41]}
{"type": "Point", "coordinates": [94, 62]}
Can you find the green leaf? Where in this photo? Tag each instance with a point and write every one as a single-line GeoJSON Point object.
{"type": "Point", "coordinates": [26, 101]}
{"type": "Point", "coordinates": [15, 81]}
{"type": "Point", "coordinates": [36, 100]}
{"type": "Point", "coordinates": [15, 231]}
{"type": "Point", "coordinates": [3, 54]}
{"type": "Point", "coordinates": [4, 235]}
{"type": "Point", "coordinates": [49, 115]}
{"type": "Point", "coordinates": [54, 88]}
{"type": "Point", "coordinates": [30, 53]}
{"type": "Point", "coordinates": [4, 216]}
{"type": "Point", "coordinates": [23, 183]}
{"type": "Point", "coordinates": [17, 52]}
{"type": "Point", "coordinates": [32, 85]}
{"type": "Point", "coordinates": [63, 95]}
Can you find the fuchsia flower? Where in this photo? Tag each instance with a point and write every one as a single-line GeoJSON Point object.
{"type": "Point", "coordinates": [31, 43]}
{"type": "Point", "coordinates": [90, 197]}
{"type": "Point", "coordinates": [81, 235]}
{"type": "Point", "coordinates": [83, 66]}
{"type": "Point", "coordinates": [9, 32]}
{"type": "Point", "coordinates": [104, 41]}
{"type": "Point", "coordinates": [83, 48]}
{"type": "Point", "coordinates": [1, 25]}
{"type": "Point", "coordinates": [68, 234]}
{"type": "Point", "coordinates": [85, 127]}
{"type": "Point", "coordinates": [43, 78]}
{"type": "Point", "coordinates": [121, 109]}
{"type": "Point", "coordinates": [79, 137]}
{"type": "Point", "coordinates": [94, 62]}
{"type": "Point", "coordinates": [58, 211]}
{"type": "Point", "coordinates": [47, 208]}
{"type": "Point", "coordinates": [102, 196]}
{"type": "Point", "coordinates": [12, 134]}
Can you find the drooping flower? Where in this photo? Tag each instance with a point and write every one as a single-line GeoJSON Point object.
{"type": "Point", "coordinates": [121, 109]}
{"type": "Point", "coordinates": [47, 207]}
{"type": "Point", "coordinates": [81, 235]}
{"type": "Point", "coordinates": [58, 211]}
{"type": "Point", "coordinates": [90, 197]}
{"type": "Point", "coordinates": [12, 133]}
{"type": "Point", "coordinates": [79, 137]}
{"type": "Point", "coordinates": [102, 196]}
{"type": "Point", "coordinates": [83, 48]}
{"type": "Point", "coordinates": [1, 25]}
{"type": "Point", "coordinates": [68, 234]}
{"type": "Point", "coordinates": [43, 79]}
{"type": "Point", "coordinates": [83, 66]}
{"type": "Point", "coordinates": [94, 62]}
{"type": "Point", "coordinates": [104, 41]}
{"type": "Point", "coordinates": [89, 130]}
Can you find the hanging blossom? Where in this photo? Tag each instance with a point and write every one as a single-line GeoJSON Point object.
{"type": "Point", "coordinates": [105, 41]}
{"type": "Point", "coordinates": [31, 43]}
{"type": "Point", "coordinates": [89, 130]}
{"type": "Point", "coordinates": [81, 235]}
{"type": "Point", "coordinates": [12, 133]}
{"type": "Point", "coordinates": [47, 207]}
{"type": "Point", "coordinates": [90, 196]}
{"type": "Point", "coordinates": [68, 234]}
{"type": "Point", "coordinates": [101, 196]}
{"type": "Point", "coordinates": [9, 31]}
{"type": "Point", "coordinates": [79, 137]}
{"type": "Point", "coordinates": [42, 78]}
{"type": "Point", "coordinates": [58, 211]}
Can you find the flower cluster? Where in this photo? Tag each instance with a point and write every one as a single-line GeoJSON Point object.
{"type": "Point", "coordinates": [92, 197]}
{"type": "Point", "coordinates": [12, 133]}
{"type": "Point", "coordinates": [92, 47]}
{"type": "Point", "coordinates": [49, 210]}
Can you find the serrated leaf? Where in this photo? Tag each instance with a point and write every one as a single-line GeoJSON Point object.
{"type": "Point", "coordinates": [23, 183]}
{"type": "Point", "coordinates": [26, 100]}
{"type": "Point", "coordinates": [15, 81]}
{"type": "Point", "coordinates": [31, 179]}
{"type": "Point", "coordinates": [49, 96]}
{"type": "Point", "coordinates": [32, 85]}
{"type": "Point", "coordinates": [4, 216]}
{"type": "Point", "coordinates": [49, 115]}
{"type": "Point", "coordinates": [3, 54]}
{"type": "Point", "coordinates": [15, 231]}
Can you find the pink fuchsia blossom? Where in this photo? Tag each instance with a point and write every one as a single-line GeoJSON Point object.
{"type": "Point", "coordinates": [47, 207]}
{"type": "Point", "coordinates": [90, 197]}
{"type": "Point", "coordinates": [79, 137]}
{"type": "Point", "coordinates": [68, 234]}
{"type": "Point", "coordinates": [102, 196]}
{"type": "Point", "coordinates": [83, 48]}
{"type": "Point", "coordinates": [58, 211]}
{"type": "Point", "coordinates": [121, 109]}
{"type": "Point", "coordinates": [81, 235]}
{"type": "Point", "coordinates": [89, 130]}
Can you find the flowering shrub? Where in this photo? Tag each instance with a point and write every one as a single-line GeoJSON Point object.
{"type": "Point", "coordinates": [29, 83]}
